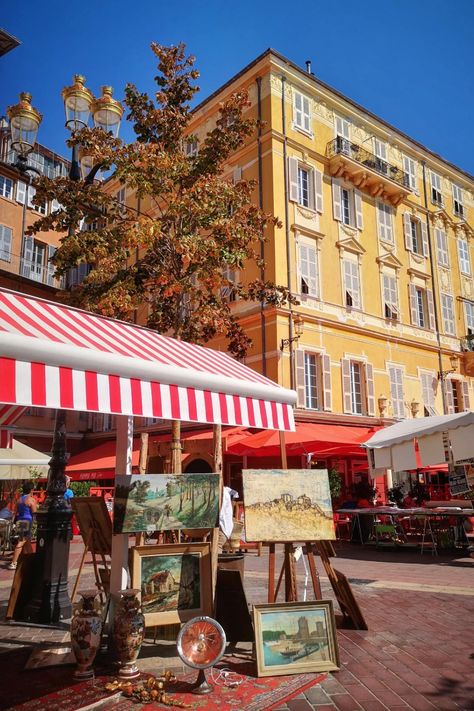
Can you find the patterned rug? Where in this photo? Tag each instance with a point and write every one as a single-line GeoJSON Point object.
{"type": "Point", "coordinates": [252, 694]}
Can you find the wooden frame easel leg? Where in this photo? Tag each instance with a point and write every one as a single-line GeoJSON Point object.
{"type": "Point", "coordinates": [313, 571]}
{"type": "Point", "coordinates": [271, 573]}
{"type": "Point", "coordinates": [81, 565]}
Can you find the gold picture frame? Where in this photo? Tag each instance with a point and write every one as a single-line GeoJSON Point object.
{"type": "Point", "coordinates": [295, 638]}
{"type": "Point", "coordinates": [175, 581]}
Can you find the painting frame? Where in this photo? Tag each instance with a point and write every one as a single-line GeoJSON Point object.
{"type": "Point", "coordinates": [166, 502]}
{"type": "Point", "coordinates": [287, 505]}
{"type": "Point", "coordinates": [175, 550]}
{"type": "Point", "coordinates": [291, 614]}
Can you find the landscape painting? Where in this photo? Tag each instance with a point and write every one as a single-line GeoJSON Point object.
{"type": "Point", "coordinates": [164, 502]}
{"type": "Point", "coordinates": [295, 637]}
{"type": "Point", "coordinates": [174, 580]}
{"type": "Point", "coordinates": [287, 505]}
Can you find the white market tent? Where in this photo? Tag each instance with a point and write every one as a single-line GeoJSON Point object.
{"type": "Point", "coordinates": [59, 357]}
{"type": "Point", "coordinates": [394, 447]}
{"type": "Point", "coordinates": [18, 461]}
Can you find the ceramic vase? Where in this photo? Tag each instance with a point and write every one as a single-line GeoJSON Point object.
{"type": "Point", "coordinates": [128, 632]}
{"type": "Point", "coordinates": [86, 630]}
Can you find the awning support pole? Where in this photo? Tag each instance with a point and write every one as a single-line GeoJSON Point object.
{"type": "Point", "coordinates": [123, 467]}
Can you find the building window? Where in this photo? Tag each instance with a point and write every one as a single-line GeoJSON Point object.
{"type": "Point", "coordinates": [21, 192]}
{"type": "Point", "coordinates": [469, 317]}
{"type": "Point", "coordinates": [436, 195]}
{"type": "Point", "coordinates": [76, 275]}
{"type": "Point", "coordinates": [442, 248]}
{"type": "Point", "coordinates": [191, 147]}
{"type": "Point", "coordinates": [343, 127]}
{"type": "Point", "coordinates": [463, 253]}
{"type": "Point", "coordinates": [351, 284]}
{"type": "Point", "coordinates": [416, 235]}
{"type": "Point", "coordinates": [422, 307]}
{"type": "Point", "coordinates": [6, 187]}
{"type": "Point", "coordinates": [390, 297]}
{"type": "Point", "coordinates": [312, 381]}
{"type": "Point", "coordinates": [428, 394]}
{"type": "Point", "coordinates": [301, 112]}
{"type": "Point", "coordinates": [396, 391]}
{"type": "Point", "coordinates": [227, 292]}
{"type": "Point", "coordinates": [308, 268]}
{"type": "Point", "coordinates": [458, 201]}
{"type": "Point", "coordinates": [385, 222]}
{"type": "Point", "coordinates": [5, 243]}
{"type": "Point", "coordinates": [457, 395]}
{"type": "Point", "coordinates": [409, 168]}
{"type": "Point", "coordinates": [447, 308]}
{"type": "Point", "coordinates": [33, 263]}
{"type": "Point", "coordinates": [347, 205]}
{"type": "Point", "coordinates": [358, 387]}
{"type": "Point", "coordinates": [305, 185]}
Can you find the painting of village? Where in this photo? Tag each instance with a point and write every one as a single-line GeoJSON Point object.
{"type": "Point", "coordinates": [295, 637]}
{"type": "Point", "coordinates": [287, 505]}
{"type": "Point", "coordinates": [174, 581]}
{"type": "Point", "coordinates": [162, 502]}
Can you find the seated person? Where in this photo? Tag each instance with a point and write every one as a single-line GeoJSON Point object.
{"type": "Point", "coordinates": [5, 513]}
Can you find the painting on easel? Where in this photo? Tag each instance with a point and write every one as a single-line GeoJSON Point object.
{"type": "Point", "coordinates": [164, 502]}
{"type": "Point", "coordinates": [287, 505]}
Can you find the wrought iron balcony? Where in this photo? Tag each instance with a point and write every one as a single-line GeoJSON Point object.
{"type": "Point", "coordinates": [366, 170]}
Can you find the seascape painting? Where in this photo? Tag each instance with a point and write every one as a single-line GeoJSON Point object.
{"type": "Point", "coordinates": [292, 638]}
{"type": "Point", "coordinates": [163, 502]}
{"type": "Point", "coordinates": [285, 505]}
{"type": "Point", "coordinates": [174, 581]}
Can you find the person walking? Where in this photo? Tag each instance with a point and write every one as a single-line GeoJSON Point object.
{"type": "Point", "coordinates": [25, 510]}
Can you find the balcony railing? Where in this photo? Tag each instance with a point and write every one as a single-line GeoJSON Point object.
{"type": "Point", "coordinates": [15, 265]}
{"type": "Point", "coordinates": [345, 147]}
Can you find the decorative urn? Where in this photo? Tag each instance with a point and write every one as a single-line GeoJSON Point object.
{"type": "Point", "coordinates": [128, 632]}
{"type": "Point", "coordinates": [86, 631]}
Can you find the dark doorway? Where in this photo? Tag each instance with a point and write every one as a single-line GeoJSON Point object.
{"type": "Point", "coordinates": [198, 466]}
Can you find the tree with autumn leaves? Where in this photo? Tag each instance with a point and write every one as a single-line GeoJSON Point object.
{"type": "Point", "coordinates": [176, 253]}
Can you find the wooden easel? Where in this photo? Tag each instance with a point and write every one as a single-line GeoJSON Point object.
{"type": "Point", "coordinates": [96, 531]}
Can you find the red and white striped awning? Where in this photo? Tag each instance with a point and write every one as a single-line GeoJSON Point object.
{"type": "Point", "coordinates": [59, 357]}
{"type": "Point", "coordinates": [9, 414]}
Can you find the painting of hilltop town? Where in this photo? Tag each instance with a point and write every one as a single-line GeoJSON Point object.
{"type": "Point", "coordinates": [295, 637]}
{"type": "Point", "coordinates": [287, 505]}
{"type": "Point", "coordinates": [163, 502]}
{"type": "Point", "coordinates": [174, 580]}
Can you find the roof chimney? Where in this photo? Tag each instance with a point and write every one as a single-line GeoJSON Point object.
{"type": "Point", "coordinates": [308, 66]}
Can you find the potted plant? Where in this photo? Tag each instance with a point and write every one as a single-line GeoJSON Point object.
{"type": "Point", "coordinates": [396, 495]}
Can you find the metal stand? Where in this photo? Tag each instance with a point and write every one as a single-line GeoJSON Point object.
{"type": "Point", "coordinates": [202, 684]}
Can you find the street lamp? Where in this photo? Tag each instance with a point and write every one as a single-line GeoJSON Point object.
{"type": "Point", "coordinates": [454, 360]}
{"type": "Point", "coordinates": [298, 323]}
{"type": "Point", "coordinates": [49, 601]}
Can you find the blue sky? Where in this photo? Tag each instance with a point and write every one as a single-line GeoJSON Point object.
{"type": "Point", "coordinates": [408, 61]}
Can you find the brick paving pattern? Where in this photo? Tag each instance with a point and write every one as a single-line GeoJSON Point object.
{"type": "Point", "coordinates": [417, 655]}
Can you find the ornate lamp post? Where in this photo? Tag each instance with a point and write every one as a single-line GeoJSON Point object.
{"type": "Point", "coordinates": [50, 598]}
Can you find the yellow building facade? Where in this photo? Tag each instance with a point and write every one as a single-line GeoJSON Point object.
{"type": "Point", "coordinates": [375, 242]}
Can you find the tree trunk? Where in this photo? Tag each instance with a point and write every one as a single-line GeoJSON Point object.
{"type": "Point", "coordinates": [176, 465]}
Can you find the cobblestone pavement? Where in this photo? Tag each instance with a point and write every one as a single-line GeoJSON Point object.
{"type": "Point", "coordinates": [417, 655]}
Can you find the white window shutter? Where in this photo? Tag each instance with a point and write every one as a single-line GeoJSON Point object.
{"type": "Point", "coordinates": [327, 390]}
{"type": "Point", "coordinates": [318, 190]}
{"type": "Point", "coordinates": [21, 189]}
{"type": "Point", "coordinates": [449, 396]}
{"type": "Point", "coordinates": [413, 305]}
{"type": "Point", "coordinates": [358, 210]}
{"type": "Point", "coordinates": [407, 230]}
{"type": "Point", "coordinates": [51, 267]}
{"type": "Point", "coordinates": [293, 178]}
{"type": "Point", "coordinates": [431, 314]}
{"type": "Point", "coordinates": [336, 200]}
{"type": "Point", "coordinates": [300, 384]}
{"type": "Point", "coordinates": [237, 174]}
{"type": "Point", "coordinates": [381, 221]}
{"type": "Point", "coordinates": [424, 238]}
{"type": "Point", "coordinates": [27, 255]}
{"type": "Point", "coordinates": [5, 243]}
{"type": "Point", "coordinates": [55, 205]}
{"type": "Point", "coordinates": [346, 384]}
{"type": "Point", "coordinates": [31, 194]}
{"type": "Point", "coordinates": [465, 395]}
{"type": "Point", "coordinates": [369, 381]}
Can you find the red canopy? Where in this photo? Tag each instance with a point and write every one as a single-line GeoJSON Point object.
{"type": "Point", "coordinates": [320, 439]}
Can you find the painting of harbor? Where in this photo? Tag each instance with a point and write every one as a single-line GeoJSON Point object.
{"type": "Point", "coordinates": [163, 502]}
{"type": "Point", "coordinates": [173, 581]}
{"type": "Point", "coordinates": [287, 505]}
{"type": "Point", "coordinates": [295, 637]}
